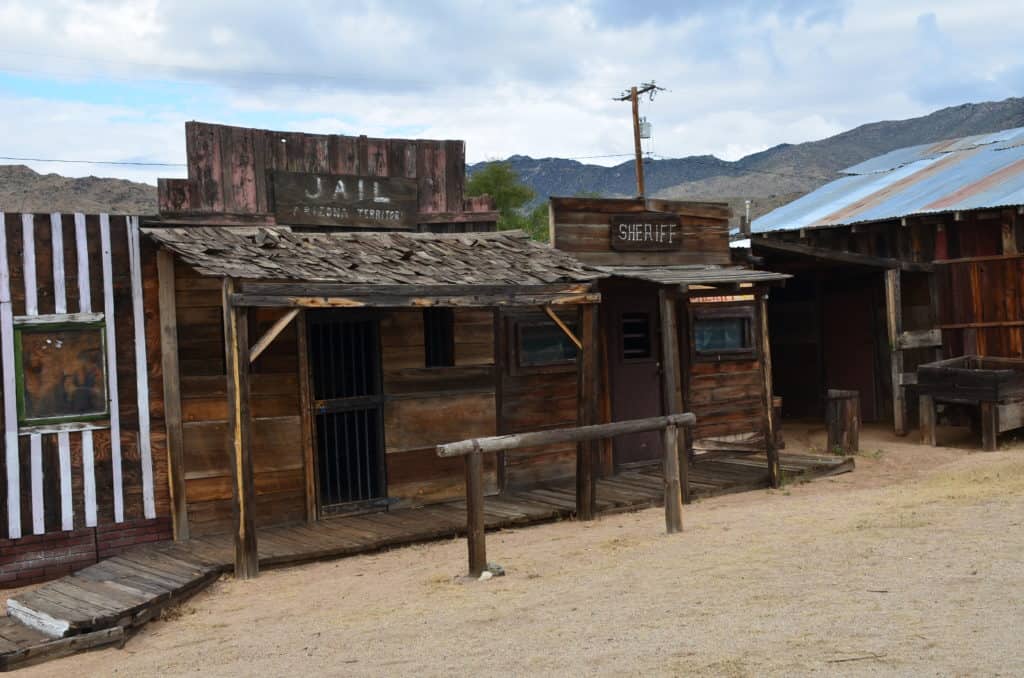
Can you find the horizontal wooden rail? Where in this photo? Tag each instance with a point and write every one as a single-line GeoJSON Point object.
{"type": "Point", "coordinates": [563, 435]}
{"type": "Point", "coordinates": [471, 450]}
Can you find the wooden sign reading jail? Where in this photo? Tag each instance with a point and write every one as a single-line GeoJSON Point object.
{"type": "Point", "coordinates": [344, 200]}
{"type": "Point", "coordinates": [645, 232]}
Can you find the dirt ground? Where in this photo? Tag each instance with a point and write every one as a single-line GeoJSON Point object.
{"type": "Point", "coordinates": [911, 565]}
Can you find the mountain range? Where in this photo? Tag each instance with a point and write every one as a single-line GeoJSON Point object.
{"type": "Point", "coordinates": [769, 178]}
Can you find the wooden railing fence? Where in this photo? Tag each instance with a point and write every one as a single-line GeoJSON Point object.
{"type": "Point", "coordinates": [473, 448]}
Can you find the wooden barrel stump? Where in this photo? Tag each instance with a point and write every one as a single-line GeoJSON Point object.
{"type": "Point", "coordinates": [842, 419]}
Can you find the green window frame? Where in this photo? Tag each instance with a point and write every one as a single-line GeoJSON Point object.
{"type": "Point", "coordinates": [26, 415]}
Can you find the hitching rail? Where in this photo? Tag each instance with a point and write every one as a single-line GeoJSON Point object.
{"type": "Point", "coordinates": [473, 448]}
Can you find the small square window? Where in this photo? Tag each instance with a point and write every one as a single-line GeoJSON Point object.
{"type": "Point", "coordinates": [724, 332]}
{"type": "Point", "coordinates": [636, 336]}
{"type": "Point", "coordinates": [545, 344]}
{"type": "Point", "coordinates": [439, 337]}
{"type": "Point", "coordinates": [61, 372]}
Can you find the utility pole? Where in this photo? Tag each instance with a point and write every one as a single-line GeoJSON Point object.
{"type": "Point", "coordinates": [633, 95]}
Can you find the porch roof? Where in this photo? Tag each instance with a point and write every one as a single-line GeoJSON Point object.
{"type": "Point", "coordinates": [278, 266]}
{"type": "Point", "coordinates": [694, 275]}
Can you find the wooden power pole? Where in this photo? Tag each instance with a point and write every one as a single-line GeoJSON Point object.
{"type": "Point", "coordinates": [633, 95]}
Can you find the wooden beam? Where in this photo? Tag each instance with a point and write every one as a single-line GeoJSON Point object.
{"type": "Point", "coordinates": [838, 256]}
{"type": "Point", "coordinates": [392, 301]}
{"type": "Point", "coordinates": [562, 326]}
{"type": "Point", "coordinates": [268, 337]}
{"type": "Point", "coordinates": [236, 348]}
{"type": "Point", "coordinates": [315, 289]}
{"type": "Point", "coordinates": [172, 394]}
{"type": "Point", "coordinates": [768, 396]}
{"type": "Point", "coordinates": [920, 339]}
{"type": "Point", "coordinates": [588, 377]}
{"type": "Point", "coordinates": [575, 434]}
{"type": "Point", "coordinates": [894, 324]}
{"type": "Point", "coordinates": [475, 539]}
{"type": "Point", "coordinates": [675, 469]}
{"type": "Point", "coordinates": [306, 416]}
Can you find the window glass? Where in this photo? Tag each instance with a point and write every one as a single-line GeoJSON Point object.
{"type": "Point", "coordinates": [721, 334]}
{"type": "Point", "coordinates": [61, 373]}
{"type": "Point", "coordinates": [545, 344]}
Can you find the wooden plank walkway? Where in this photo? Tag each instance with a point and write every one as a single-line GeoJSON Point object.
{"type": "Point", "coordinates": [98, 604]}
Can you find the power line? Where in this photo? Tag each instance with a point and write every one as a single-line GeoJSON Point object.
{"type": "Point", "coordinates": [96, 162]}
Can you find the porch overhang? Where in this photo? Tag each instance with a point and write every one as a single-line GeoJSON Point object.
{"type": "Point", "coordinates": [696, 278]}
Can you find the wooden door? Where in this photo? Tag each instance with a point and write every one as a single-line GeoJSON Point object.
{"type": "Point", "coordinates": [634, 362]}
{"type": "Point", "coordinates": [347, 402]}
{"type": "Point", "coordinates": [848, 335]}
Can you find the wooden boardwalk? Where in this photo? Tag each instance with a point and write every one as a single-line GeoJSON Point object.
{"type": "Point", "coordinates": [96, 606]}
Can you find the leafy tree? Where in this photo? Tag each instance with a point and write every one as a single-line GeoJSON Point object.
{"type": "Point", "coordinates": [501, 182]}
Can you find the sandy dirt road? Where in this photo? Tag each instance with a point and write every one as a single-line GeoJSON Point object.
{"type": "Point", "coordinates": [912, 565]}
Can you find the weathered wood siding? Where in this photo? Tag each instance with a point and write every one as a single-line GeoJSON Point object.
{"type": "Point", "coordinates": [428, 406]}
{"type": "Point", "coordinates": [982, 309]}
{"type": "Point", "coordinates": [71, 482]}
{"type": "Point", "coordinates": [229, 173]}
{"type": "Point", "coordinates": [535, 400]}
{"type": "Point", "coordinates": [582, 226]}
{"type": "Point", "coordinates": [726, 394]}
{"type": "Point", "coordinates": [277, 428]}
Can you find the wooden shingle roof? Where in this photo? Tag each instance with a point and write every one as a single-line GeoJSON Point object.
{"type": "Point", "coordinates": [281, 254]}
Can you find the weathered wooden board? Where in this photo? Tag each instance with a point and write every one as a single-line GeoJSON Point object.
{"type": "Point", "coordinates": [344, 200]}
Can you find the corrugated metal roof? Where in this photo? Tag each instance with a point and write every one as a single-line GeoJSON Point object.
{"type": "Point", "coordinates": [693, 275]}
{"type": "Point", "coordinates": [976, 172]}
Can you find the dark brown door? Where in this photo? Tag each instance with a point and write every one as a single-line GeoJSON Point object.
{"type": "Point", "coordinates": [849, 311]}
{"type": "Point", "coordinates": [344, 357]}
{"type": "Point", "coordinates": [634, 372]}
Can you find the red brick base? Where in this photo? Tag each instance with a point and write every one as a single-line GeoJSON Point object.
{"type": "Point", "coordinates": [39, 557]}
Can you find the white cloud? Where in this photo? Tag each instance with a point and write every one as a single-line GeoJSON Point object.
{"type": "Point", "coordinates": [527, 77]}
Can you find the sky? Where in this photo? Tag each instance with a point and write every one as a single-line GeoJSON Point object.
{"type": "Point", "coordinates": [109, 80]}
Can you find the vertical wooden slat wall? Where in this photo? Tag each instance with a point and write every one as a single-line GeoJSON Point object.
{"type": "Point", "coordinates": [62, 478]}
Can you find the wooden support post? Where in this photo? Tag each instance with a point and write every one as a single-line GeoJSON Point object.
{"type": "Point", "coordinates": [894, 323]}
{"type": "Point", "coordinates": [768, 398]}
{"type": "Point", "coordinates": [926, 419]}
{"type": "Point", "coordinates": [588, 376]}
{"type": "Point", "coordinates": [306, 418]}
{"type": "Point", "coordinates": [236, 349]}
{"type": "Point", "coordinates": [989, 425]}
{"type": "Point", "coordinates": [172, 394]}
{"type": "Point", "coordinates": [676, 470]}
{"type": "Point", "coordinates": [475, 513]}
{"type": "Point", "coordinates": [673, 485]}
{"type": "Point", "coordinates": [843, 421]}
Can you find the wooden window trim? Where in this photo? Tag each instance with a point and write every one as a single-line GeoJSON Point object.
{"type": "Point", "coordinates": [725, 310]}
{"type": "Point", "coordinates": [515, 365]}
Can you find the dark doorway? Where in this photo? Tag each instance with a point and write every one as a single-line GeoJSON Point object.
{"type": "Point", "coordinates": [634, 361]}
{"type": "Point", "coordinates": [850, 326]}
{"type": "Point", "coordinates": [344, 358]}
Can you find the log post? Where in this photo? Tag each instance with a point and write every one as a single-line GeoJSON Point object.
{"type": "Point", "coordinates": [674, 468]}
{"type": "Point", "coordinates": [768, 398]}
{"type": "Point", "coordinates": [673, 488]}
{"type": "Point", "coordinates": [475, 513]}
{"type": "Point", "coordinates": [894, 323]}
{"type": "Point", "coordinates": [843, 421]}
{"type": "Point", "coordinates": [172, 394]}
{"type": "Point", "coordinates": [588, 378]}
{"type": "Point", "coordinates": [989, 425]}
{"type": "Point", "coordinates": [236, 349]}
{"type": "Point", "coordinates": [926, 418]}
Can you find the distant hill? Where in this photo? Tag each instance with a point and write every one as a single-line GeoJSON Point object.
{"type": "Point", "coordinates": [24, 190]}
{"type": "Point", "coordinates": [772, 177]}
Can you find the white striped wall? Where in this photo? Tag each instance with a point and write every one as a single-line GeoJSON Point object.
{"type": "Point", "coordinates": [63, 433]}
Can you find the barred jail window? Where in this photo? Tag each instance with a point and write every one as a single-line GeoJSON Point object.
{"type": "Point", "coordinates": [439, 337]}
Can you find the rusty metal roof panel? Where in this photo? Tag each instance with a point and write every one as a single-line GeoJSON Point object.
{"type": "Point", "coordinates": [980, 172]}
